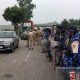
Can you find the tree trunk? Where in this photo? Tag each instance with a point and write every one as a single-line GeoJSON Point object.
{"type": "Point", "coordinates": [16, 28]}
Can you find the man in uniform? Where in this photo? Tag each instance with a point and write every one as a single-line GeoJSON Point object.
{"type": "Point", "coordinates": [39, 34]}
{"type": "Point", "coordinates": [35, 36]}
{"type": "Point", "coordinates": [30, 39]}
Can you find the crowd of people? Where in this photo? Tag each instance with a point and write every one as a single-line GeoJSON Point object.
{"type": "Point", "coordinates": [65, 41]}
{"type": "Point", "coordinates": [68, 50]}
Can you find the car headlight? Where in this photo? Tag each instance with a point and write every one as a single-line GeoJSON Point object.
{"type": "Point", "coordinates": [7, 42]}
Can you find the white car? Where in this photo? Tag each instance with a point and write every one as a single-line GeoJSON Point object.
{"type": "Point", "coordinates": [8, 40]}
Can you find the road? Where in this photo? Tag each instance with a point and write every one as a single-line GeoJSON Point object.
{"type": "Point", "coordinates": [25, 64]}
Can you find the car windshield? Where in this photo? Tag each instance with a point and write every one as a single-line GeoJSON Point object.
{"type": "Point", "coordinates": [6, 34]}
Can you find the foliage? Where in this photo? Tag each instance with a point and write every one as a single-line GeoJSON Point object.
{"type": "Point", "coordinates": [28, 7]}
{"type": "Point", "coordinates": [14, 14]}
{"type": "Point", "coordinates": [70, 23]}
{"type": "Point", "coordinates": [74, 21]}
{"type": "Point", "coordinates": [65, 23]}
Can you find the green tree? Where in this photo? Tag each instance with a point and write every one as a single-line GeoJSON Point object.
{"type": "Point", "coordinates": [15, 15]}
{"type": "Point", "coordinates": [65, 23]}
{"type": "Point", "coordinates": [72, 22]}
{"type": "Point", "coordinates": [28, 7]}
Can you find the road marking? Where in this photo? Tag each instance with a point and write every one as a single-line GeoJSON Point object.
{"type": "Point", "coordinates": [25, 60]}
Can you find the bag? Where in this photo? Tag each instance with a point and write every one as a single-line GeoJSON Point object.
{"type": "Point", "coordinates": [54, 43]}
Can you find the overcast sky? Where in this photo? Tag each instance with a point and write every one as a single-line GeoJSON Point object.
{"type": "Point", "coordinates": [47, 10]}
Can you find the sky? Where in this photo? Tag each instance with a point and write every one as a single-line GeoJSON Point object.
{"type": "Point", "coordinates": [47, 10]}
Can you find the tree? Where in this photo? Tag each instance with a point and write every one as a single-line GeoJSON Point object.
{"type": "Point", "coordinates": [65, 23]}
{"type": "Point", "coordinates": [28, 7]}
{"type": "Point", "coordinates": [15, 15]}
{"type": "Point", "coordinates": [72, 22]}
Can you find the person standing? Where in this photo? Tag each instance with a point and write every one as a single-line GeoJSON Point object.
{"type": "Point", "coordinates": [39, 34]}
{"type": "Point", "coordinates": [34, 36]}
{"type": "Point", "coordinates": [30, 39]}
{"type": "Point", "coordinates": [48, 46]}
{"type": "Point", "coordinates": [27, 39]}
{"type": "Point", "coordinates": [43, 42]}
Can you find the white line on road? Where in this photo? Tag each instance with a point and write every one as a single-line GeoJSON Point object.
{"type": "Point", "coordinates": [25, 60]}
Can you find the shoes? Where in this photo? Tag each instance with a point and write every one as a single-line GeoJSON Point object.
{"type": "Point", "coordinates": [30, 48]}
{"type": "Point", "coordinates": [42, 52]}
{"type": "Point", "coordinates": [49, 60]}
{"type": "Point", "coordinates": [27, 46]}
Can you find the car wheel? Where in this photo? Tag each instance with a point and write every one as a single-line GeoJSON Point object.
{"type": "Point", "coordinates": [17, 45]}
{"type": "Point", "coordinates": [12, 48]}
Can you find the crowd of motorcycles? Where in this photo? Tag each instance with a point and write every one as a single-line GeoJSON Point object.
{"type": "Point", "coordinates": [68, 51]}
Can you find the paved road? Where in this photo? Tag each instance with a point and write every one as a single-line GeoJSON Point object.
{"type": "Point", "coordinates": [25, 64]}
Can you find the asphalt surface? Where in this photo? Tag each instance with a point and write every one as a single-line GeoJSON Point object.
{"type": "Point", "coordinates": [25, 64]}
